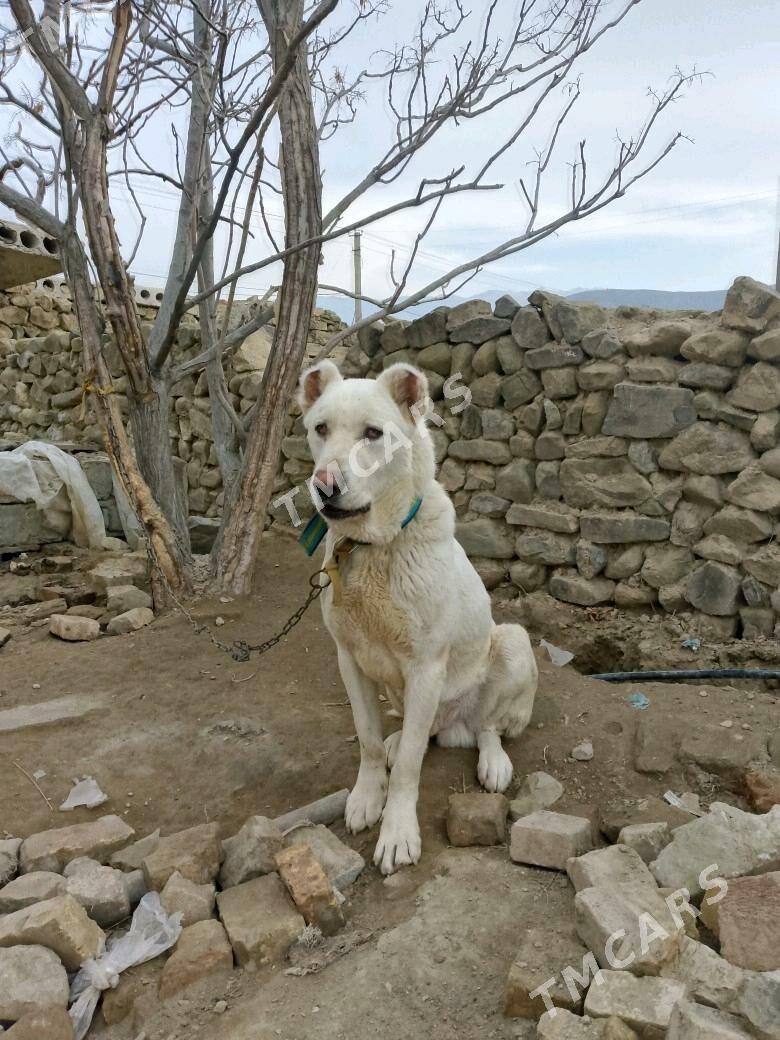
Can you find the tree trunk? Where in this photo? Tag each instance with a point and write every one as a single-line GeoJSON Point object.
{"type": "Point", "coordinates": [246, 509]}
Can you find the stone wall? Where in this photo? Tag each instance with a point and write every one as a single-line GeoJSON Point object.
{"type": "Point", "coordinates": [607, 456]}
{"type": "Point", "coordinates": [627, 457]}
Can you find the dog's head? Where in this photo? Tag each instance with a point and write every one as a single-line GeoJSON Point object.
{"type": "Point", "coordinates": [370, 445]}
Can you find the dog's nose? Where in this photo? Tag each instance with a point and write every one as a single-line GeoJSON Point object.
{"type": "Point", "coordinates": [326, 483]}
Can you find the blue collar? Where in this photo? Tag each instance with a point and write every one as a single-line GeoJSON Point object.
{"type": "Point", "coordinates": [316, 529]}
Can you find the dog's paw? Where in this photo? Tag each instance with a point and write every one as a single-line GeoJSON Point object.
{"type": "Point", "coordinates": [366, 801]}
{"type": "Point", "coordinates": [399, 842]}
{"type": "Point", "coordinates": [494, 769]}
{"type": "Point", "coordinates": [391, 747]}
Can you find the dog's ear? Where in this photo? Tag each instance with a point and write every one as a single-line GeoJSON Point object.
{"type": "Point", "coordinates": [407, 386]}
{"type": "Point", "coordinates": [314, 381]}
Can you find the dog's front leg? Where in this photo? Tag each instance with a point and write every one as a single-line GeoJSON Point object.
{"type": "Point", "coordinates": [367, 798]}
{"type": "Point", "coordinates": [399, 839]}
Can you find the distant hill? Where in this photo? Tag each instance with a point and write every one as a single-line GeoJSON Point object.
{"type": "Point", "coordinates": [659, 299]}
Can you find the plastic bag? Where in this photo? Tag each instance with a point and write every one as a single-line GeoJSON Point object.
{"type": "Point", "coordinates": [87, 793]}
{"type": "Point", "coordinates": [152, 932]}
{"type": "Point", "coordinates": [56, 483]}
{"type": "Point", "coordinates": [558, 657]}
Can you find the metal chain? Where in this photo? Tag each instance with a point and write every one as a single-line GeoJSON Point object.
{"type": "Point", "coordinates": [241, 650]}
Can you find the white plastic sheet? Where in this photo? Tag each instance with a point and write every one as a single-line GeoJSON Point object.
{"type": "Point", "coordinates": [55, 482]}
{"type": "Point", "coordinates": [152, 932]}
{"type": "Point", "coordinates": [558, 657]}
{"type": "Point", "coordinates": [85, 793]}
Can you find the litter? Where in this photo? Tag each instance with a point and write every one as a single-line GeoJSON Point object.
{"type": "Point", "coordinates": [85, 793]}
{"type": "Point", "coordinates": [687, 802]}
{"type": "Point", "coordinates": [558, 657]}
{"type": "Point", "coordinates": [691, 643]}
{"type": "Point", "coordinates": [152, 932]}
{"type": "Point", "coordinates": [639, 701]}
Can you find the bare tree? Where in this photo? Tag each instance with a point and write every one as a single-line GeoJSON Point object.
{"type": "Point", "coordinates": [246, 76]}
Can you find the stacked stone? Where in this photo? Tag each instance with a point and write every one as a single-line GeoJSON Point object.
{"type": "Point", "coordinates": [624, 457]}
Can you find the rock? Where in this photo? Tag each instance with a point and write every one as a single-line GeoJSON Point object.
{"type": "Point", "coordinates": [719, 548]}
{"type": "Point", "coordinates": [60, 924]}
{"type": "Point", "coordinates": [764, 564]}
{"type": "Point", "coordinates": [130, 621]}
{"type": "Point", "coordinates": [597, 447]}
{"type": "Point", "coordinates": [568, 320]}
{"type": "Point", "coordinates": [516, 481]}
{"type": "Point", "coordinates": [548, 484]}
{"type": "Point", "coordinates": [648, 810]}
{"type": "Point", "coordinates": [628, 927]}
{"type": "Point", "coordinates": [666, 564]}
{"type": "Point", "coordinates": [139, 982]}
{"type": "Point", "coordinates": [559, 383]}
{"type": "Point", "coordinates": [662, 338]}
{"type": "Point", "coordinates": [644, 1004]}
{"type": "Point", "coordinates": [477, 330]}
{"type": "Point", "coordinates": [31, 979]}
{"type": "Point", "coordinates": [477, 819]}
{"type": "Point", "coordinates": [757, 389]}
{"type": "Point", "coordinates": [129, 570]}
{"type": "Point", "coordinates": [121, 598]}
{"type": "Point", "coordinates": [694, 1022]}
{"type": "Point", "coordinates": [135, 886]}
{"type": "Point", "coordinates": [610, 483]}
{"type": "Point", "coordinates": [759, 1003]}
{"type": "Point", "coordinates": [602, 344]}
{"type": "Point", "coordinates": [9, 858]}
{"type": "Point", "coordinates": [538, 791]}
{"type": "Point", "coordinates": [701, 376]}
{"type": "Point", "coordinates": [53, 850]}
{"type": "Point", "coordinates": [485, 537]}
{"type": "Point", "coordinates": [762, 788]}
{"type": "Point", "coordinates": [719, 751]}
{"type": "Point", "coordinates": [553, 355]}
{"type": "Point", "coordinates": [716, 347]}
{"type": "Point", "coordinates": [44, 610]}
{"type": "Point", "coordinates": [342, 864]}
{"type": "Point", "coordinates": [5, 636]}
{"type": "Point", "coordinates": [310, 889]}
{"type": "Point", "coordinates": [688, 523]}
{"type": "Point", "coordinates": [528, 577]}
{"type": "Point", "coordinates": [573, 588]}
{"type": "Point", "coordinates": [528, 329]}
{"type": "Point", "coordinates": [508, 355]}
{"type": "Point", "coordinates": [30, 888]}
{"type": "Point", "coordinates": [73, 629]}
{"type": "Point", "coordinates": [563, 1025]}
{"type": "Point", "coordinates": [195, 853]}
{"type": "Point", "coordinates": [757, 622]}
{"type": "Point", "coordinates": [549, 516]}
{"type": "Point", "coordinates": [706, 491]}
{"type": "Point", "coordinates": [644, 412]}
{"type": "Point", "coordinates": [251, 852]}
{"type": "Point", "coordinates": [738, 842]}
{"type": "Point", "coordinates": [652, 369]}
{"type": "Point", "coordinates": [765, 431]}
{"type": "Point", "coordinates": [49, 1023]}
{"type": "Point", "coordinates": [428, 330]}
{"type": "Point", "coordinates": [708, 448]}
{"type": "Point", "coordinates": [260, 920]}
{"type": "Point", "coordinates": [741, 525]}
{"type": "Point", "coordinates": [550, 445]}
{"type": "Point", "coordinates": [132, 856]}
{"type": "Point", "coordinates": [480, 450]}
{"type": "Point", "coordinates": [632, 593]}
{"type": "Point", "coordinates": [487, 504]}
{"type": "Point", "coordinates": [600, 375]}
{"type": "Point", "coordinates": [549, 839]}
{"type": "Point", "coordinates": [766, 347]}
{"type": "Point", "coordinates": [497, 425]}
{"type": "Point", "coordinates": [750, 306]}
{"type": "Point", "coordinates": [202, 951]}
{"type": "Point", "coordinates": [545, 547]}
{"type": "Point", "coordinates": [485, 359]}
{"type": "Point", "coordinates": [100, 890]}
{"type": "Point", "coordinates": [646, 839]}
{"type": "Point", "coordinates": [617, 864]}
{"type": "Point", "coordinates": [611, 528]}
{"type": "Point", "coordinates": [654, 752]}
{"type": "Point", "coordinates": [708, 978]}
{"type": "Point", "coordinates": [518, 389]}
{"type": "Point", "coordinates": [542, 955]}
{"type": "Point", "coordinates": [755, 489]}
{"type": "Point", "coordinates": [714, 588]}
{"type": "Point", "coordinates": [506, 306]}
{"type": "Point", "coordinates": [747, 920]}
{"type": "Point", "coordinates": [624, 562]}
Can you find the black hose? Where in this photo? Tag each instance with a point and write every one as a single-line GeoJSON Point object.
{"type": "Point", "coordinates": [697, 673]}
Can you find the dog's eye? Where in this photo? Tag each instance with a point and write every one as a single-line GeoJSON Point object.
{"type": "Point", "coordinates": [372, 433]}
{"type": "Point", "coordinates": [321, 429]}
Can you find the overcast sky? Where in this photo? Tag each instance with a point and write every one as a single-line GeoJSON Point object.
{"type": "Point", "coordinates": [707, 214]}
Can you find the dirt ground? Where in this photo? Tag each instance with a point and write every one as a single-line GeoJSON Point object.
{"type": "Point", "coordinates": [186, 735]}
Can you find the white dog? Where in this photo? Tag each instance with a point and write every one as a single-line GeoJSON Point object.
{"type": "Point", "coordinates": [409, 614]}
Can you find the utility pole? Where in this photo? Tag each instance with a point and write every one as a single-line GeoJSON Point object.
{"type": "Point", "coordinates": [357, 281]}
{"type": "Point", "coordinates": [777, 225]}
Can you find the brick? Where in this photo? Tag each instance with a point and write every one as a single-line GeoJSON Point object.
{"type": "Point", "coordinates": [628, 927]}
{"type": "Point", "coordinates": [477, 819]}
{"type": "Point", "coordinates": [49, 1023]}
{"type": "Point", "coordinates": [261, 922]}
{"type": "Point", "coordinates": [31, 977]}
{"type": "Point", "coordinates": [342, 864]}
{"type": "Point", "coordinates": [617, 864]}
{"type": "Point", "coordinates": [194, 902]}
{"type": "Point", "coordinates": [60, 924]}
{"type": "Point", "coordinates": [542, 956]}
{"type": "Point", "coordinates": [694, 1022]}
{"type": "Point", "coordinates": [195, 853]}
{"type": "Point", "coordinates": [53, 850]}
{"type": "Point", "coordinates": [203, 950]}
{"type": "Point", "coordinates": [549, 839]}
{"type": "Point", "coordinates": [645, 1004]}
{"type": "Point", "coordinates": [250, 853]}
{"type": "Point", "coordinates": [315, 897]}
{"type": "Point", "coordinates": [646, 839]}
